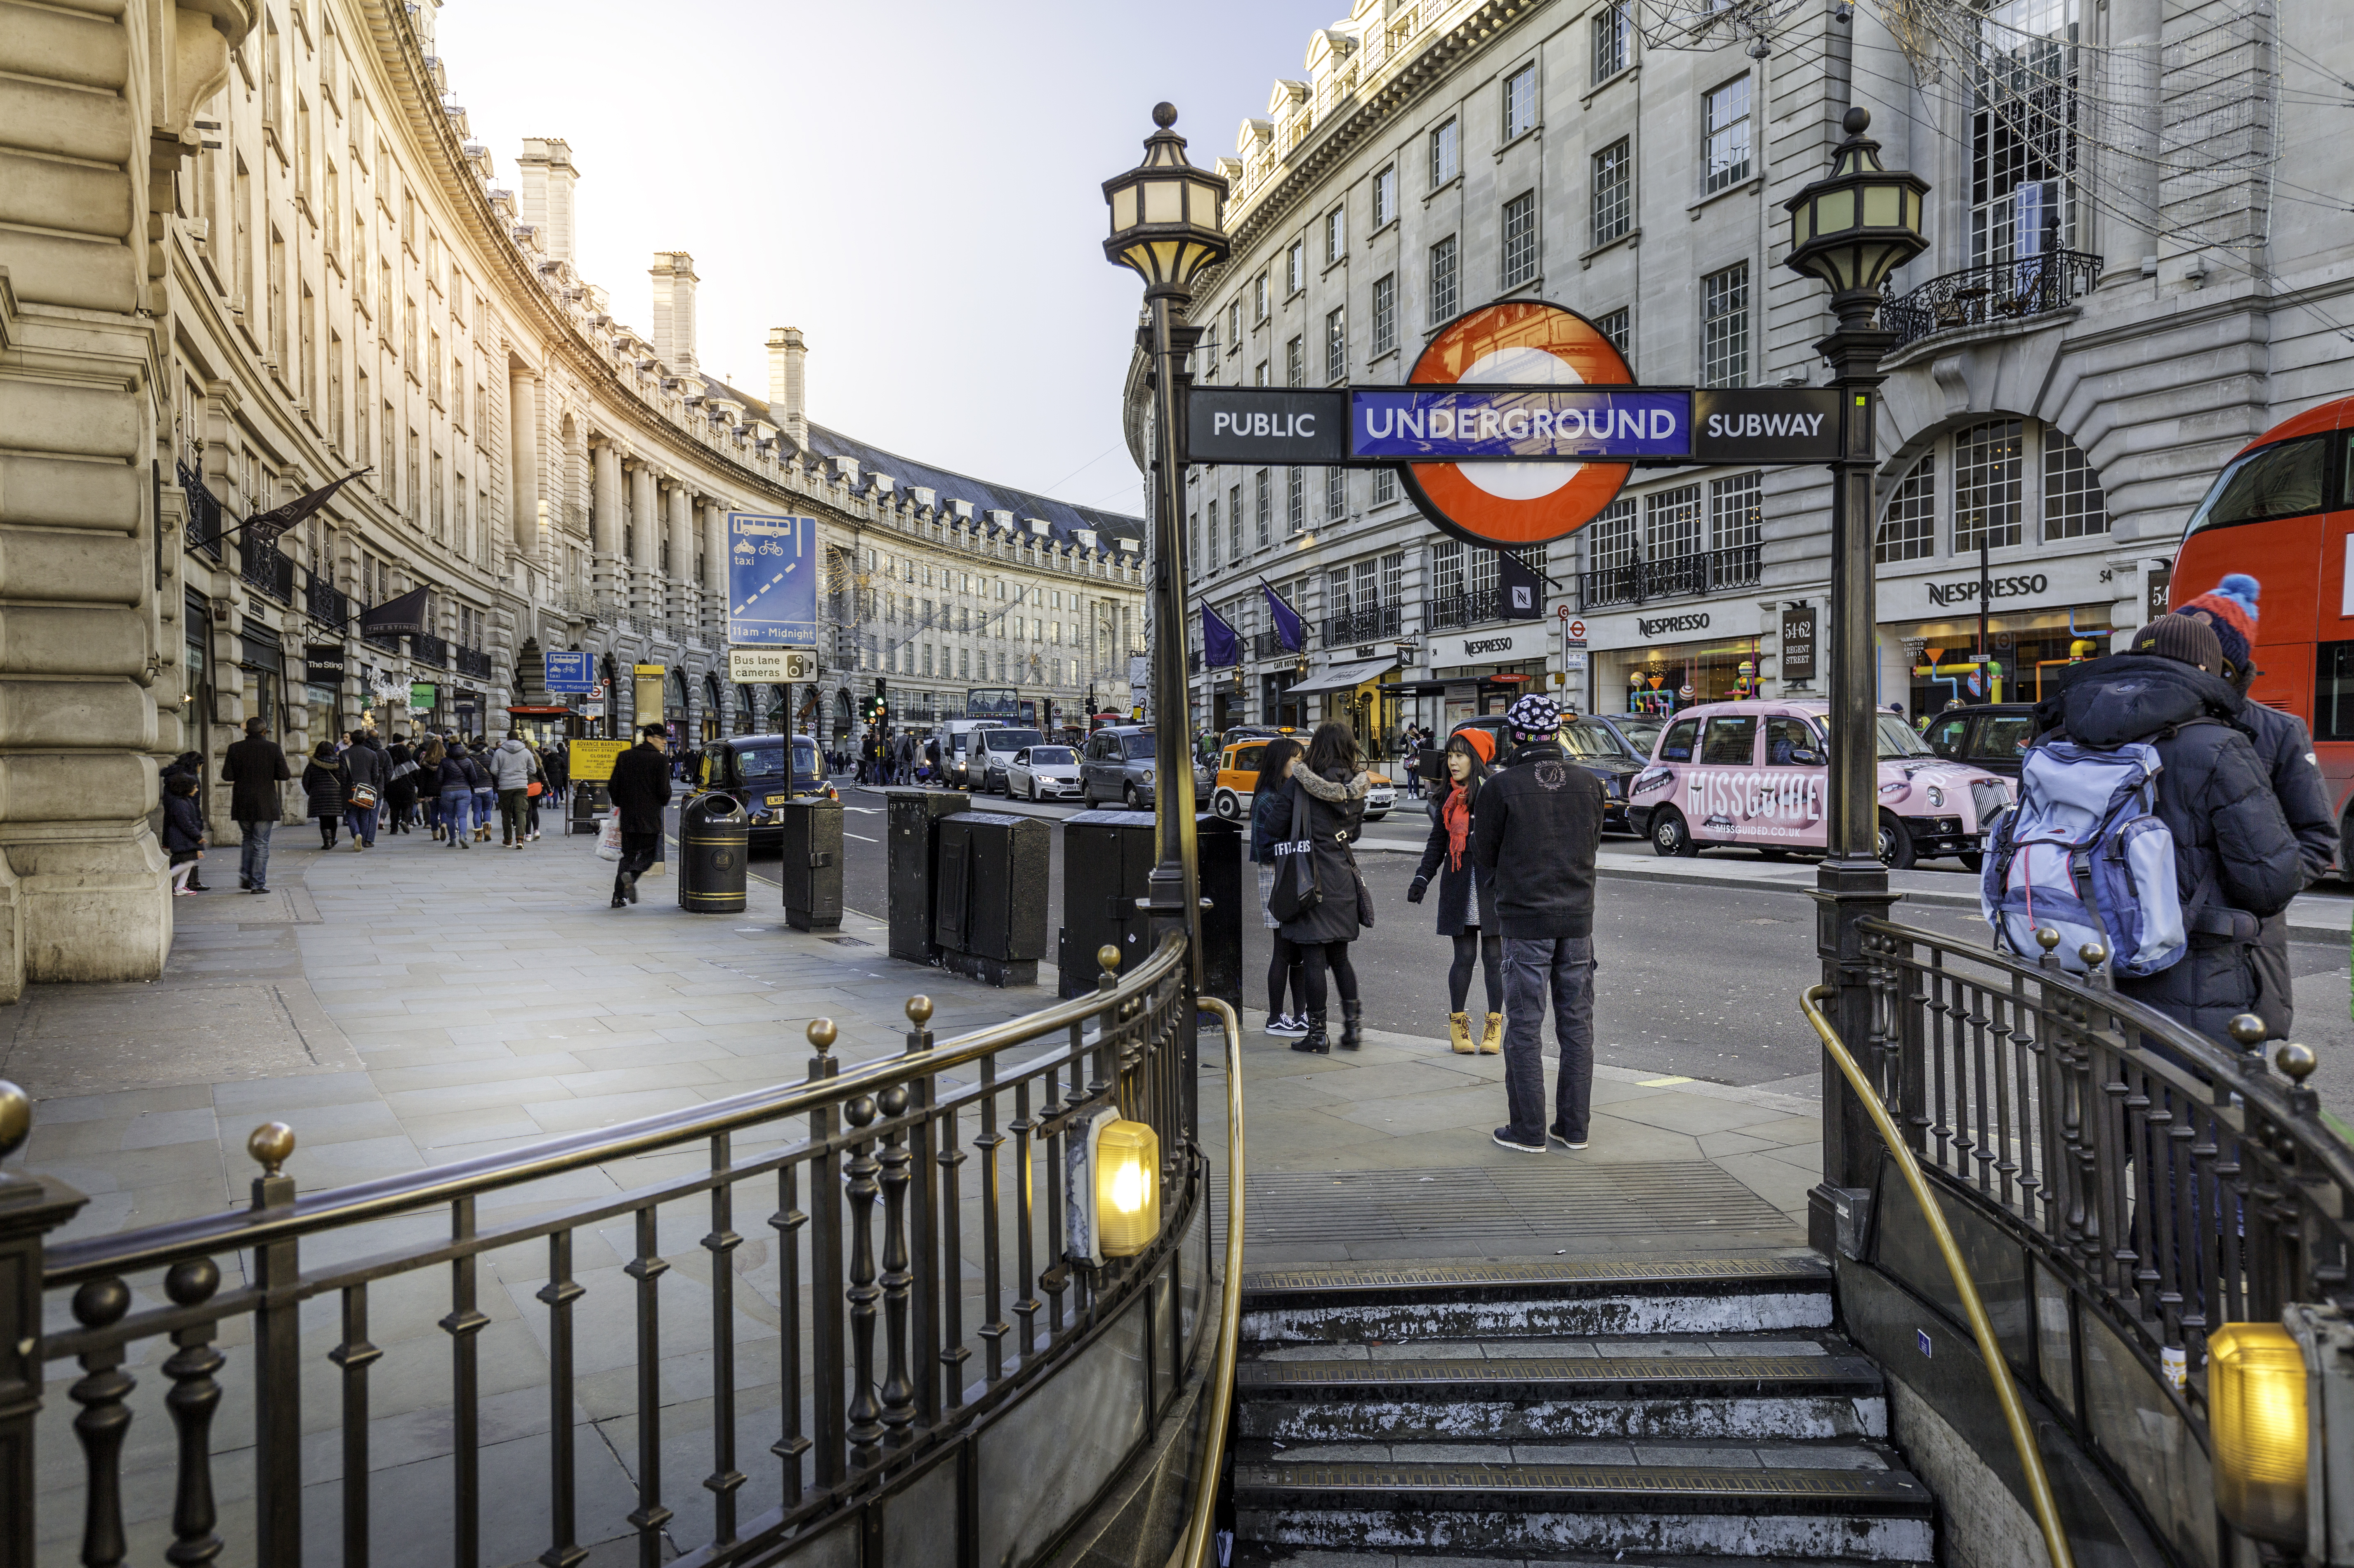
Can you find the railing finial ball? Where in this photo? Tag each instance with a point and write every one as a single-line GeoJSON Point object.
{"type": "Point", "coordinates": [271, 1144]}
{"type": "Point", "coordinates": [192, 1281]}
{"type": "Point", "coordinates": [101, 1302]}
{"type": "Point", "coordinates": [860, 1111]}
{"type": "Point", "coordinates": [2296, 1061]}
{"type": "Point", "coordinates": [2047, 938]}
{"type": "Point", "coordinates": [2248, 1030]}
{"type": "Point", "coordinates": [894, 1099]}
{"type": "Point", "coordinates": [16, 1117]}
{"type": "Point", "coordinates": [919, 1010]}
{"type": "Point", "coordinates": [1108, 958]}
{"type": "Point", "coordinates": [2093, 953]}
{"type": "Point", "coordinates": [823, 1034]}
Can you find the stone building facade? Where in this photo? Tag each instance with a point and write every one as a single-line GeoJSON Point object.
{"type": "Point", "coordinates": [2126, 283]}
{"type": "Point", "coordinates": [247, 247]}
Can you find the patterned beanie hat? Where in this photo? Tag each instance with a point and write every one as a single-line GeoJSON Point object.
{"type": "Point", "coordinates": [2230, 610]}
{"type": "Point", "coordinates": [1533, 717]}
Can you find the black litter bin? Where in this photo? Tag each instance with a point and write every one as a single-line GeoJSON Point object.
{"type": "Point", "coordinates": [711, 849]}
{"type": "Point", "coordinates": [809, 863]}
{"type": "Point", "coordinates": [1107, 859]}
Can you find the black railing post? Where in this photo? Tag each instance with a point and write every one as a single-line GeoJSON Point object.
{"type": "Point", "coordinates": [30, 1207]}
{"type": "Point", "coordinates": [277, 1364]}
{"type": "Point", "coordinates": [827, 1343]}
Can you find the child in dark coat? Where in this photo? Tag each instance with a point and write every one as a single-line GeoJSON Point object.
{"type": "Point", "coordinates": [184, 833]}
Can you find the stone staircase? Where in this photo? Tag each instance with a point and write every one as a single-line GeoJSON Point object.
{"type": "Point", "coordinates": [1604, 1410]}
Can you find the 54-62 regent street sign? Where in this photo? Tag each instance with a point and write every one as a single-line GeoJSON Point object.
{"type": "Point", "coordinates": [1518, 425]}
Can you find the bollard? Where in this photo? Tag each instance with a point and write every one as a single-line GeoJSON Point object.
{"type": "Point", "coordinates": [914, 860]}
{"type": "Point", "coordinates": [713, 834]}
{"type": "Point", "coordinates": [1227, 904]}
{"type": "Point", "coordinates": [1107, 859]}
{"type": "Point", "coordinates": [809, 862]}
{"type": "Point", "coordinates": [989, 907]}
{"type": "Point", "coordinates": [589, 804]}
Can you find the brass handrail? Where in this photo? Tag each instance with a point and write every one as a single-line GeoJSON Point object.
{"type": "Point", "coordinates": [1218, 1396]}
{"type": "Point", "coordinates": [2014, 1416]}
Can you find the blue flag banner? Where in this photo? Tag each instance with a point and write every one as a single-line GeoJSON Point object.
{"type": "Point", "coordinates": [1289, 630]}
{"type": "Point", "coordinates": [1219, 644]}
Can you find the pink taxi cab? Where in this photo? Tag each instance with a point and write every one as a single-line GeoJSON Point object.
{"type": "Point", "coordinates": [1755, 773]}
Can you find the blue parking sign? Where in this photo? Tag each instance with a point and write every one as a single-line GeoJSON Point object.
{"type": "Point", "coordinates": [569, 672]}
{"type": "Point", "coordinates": [771, 580]}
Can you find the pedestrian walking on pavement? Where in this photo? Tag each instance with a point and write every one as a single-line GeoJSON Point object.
{"type": "Point", "coordinates": [323, 782]}
{"type": "Point", "coordinates": [1467, 900]}
{"type": "Point", "coordinates": [512, 768]}
{"type": "Point", "coordinates": [253, 768]}
{"type": "Point", "coordinates": [191, 765]}
{"type": "Point", "coordinates": [1332, 784]}
{"type": "Point", "coordinates": [430, 755]}
{"type": "Point", "coordinates": [1535, 835]}
{"type": "Point", "coordinates": [1271, 825]}
{"type": "Point", "coordinates": [400, 787]}
{"type": "Point", "coordinates": [640, 789]}
{"type": "Point", "coordinates": [456, 781]}
{"type": "Point", "coordinates": [557, 765]}
{"type": "Point", "coordinates": [184, 833]}
{"type": "Point", "coordinates": [486, 798]}
{"type": "Point", "coordinates": [366, 771]}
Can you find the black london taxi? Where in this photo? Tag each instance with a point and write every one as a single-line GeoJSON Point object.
{"type": "Point", "coordinates": [764, 771]}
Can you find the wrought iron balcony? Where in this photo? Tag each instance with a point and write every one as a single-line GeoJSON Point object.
{"type": "Point", "coordinates": [1266, 645]}
{"type": "Point", "coordinates": [325, 601]}
{"type": "Point", "coordinates": [1368, 624]}
{"type": "Point", "coordinates": [266, 569]}
{"type": "Point", "coordinates": [1464, 609]}
{"type": "Point", "coordinates": [1983, 296]}
{"type": "Point", "coordinates": [427, 648]}
{"type": "Point", "coordinates": [473, 661]}
{"type": "Point", "coordinates": [1703, 571]}
{"type": "Point", "coordinates": [204, 512]}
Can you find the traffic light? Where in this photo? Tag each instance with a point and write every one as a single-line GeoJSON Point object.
{"type": "Point", "coordinates": [878, 707]}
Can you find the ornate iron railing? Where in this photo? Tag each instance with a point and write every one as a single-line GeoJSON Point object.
{"type": "Point", "coordinates": [1703, 571]}
{"type": "Point", "coordinates": [1365, 625]}
{"type": "Point", "coordinates": [916, 1287]}
{"type": "Point", "coordinates": [427, 648]}
{"type": "Point", "coordinates": [204, 525]}
{"type": "Point", "coordinates": [263, 566]}
{"type": "Point", "coordinates": [1268, 645]}
{"type": "Point", "coordinates": [1982, 296]}
{"type": "Point", "coordinates": [1471, 608]}
{"type": "Point", "coordinates": [324, 600]}
{"type": "Point", "coordinates": [472, 662]}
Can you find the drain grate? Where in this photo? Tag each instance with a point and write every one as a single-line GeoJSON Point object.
{"type": "Point", "coordinates": [1564, 1199]}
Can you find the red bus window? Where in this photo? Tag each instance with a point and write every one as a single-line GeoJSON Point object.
{"type": "Point", "coordinates": [2333, 692]}
{"type": "Point", "coordinates": [2277, 481]}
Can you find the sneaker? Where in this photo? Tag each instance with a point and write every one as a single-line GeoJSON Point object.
{"type": "Point", "coordinates": [1504, 1138]}
{"type": "Point", "coordinates": [1554, 1134]}
{"type": "Point", "coordinates": [630, 887]}
{"type": "Point", "coordinates": [257, 890]}
{"type": "Point", "coordinates": [621, 903]}
{"type": "Point", "coordinates": [185, 892]}
{"type": "Point", "coordinates": [1283, 1026]}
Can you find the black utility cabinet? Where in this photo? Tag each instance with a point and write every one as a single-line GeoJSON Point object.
{"type": "Point", "coordinates": [1106, 863]}
{"type": "Point", "coordinates": [989, 907]}
{"type": "Point", "coordinates": [912, 815]}
{"type": "Point", "coordinates": [809, 863]}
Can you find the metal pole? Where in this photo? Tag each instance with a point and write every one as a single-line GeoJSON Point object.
{"type": "Point", "coordinates": [1174, 886]}
{"type": "Point", "coordinates": [1851, 885]}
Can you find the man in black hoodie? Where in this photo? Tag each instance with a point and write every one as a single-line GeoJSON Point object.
{"type": "Point", "coordinates": [1534, 837]}
{"type": "Point", "coordinates": [640, 789]}
{"type": "Point", "coordinates": [2235, 858]}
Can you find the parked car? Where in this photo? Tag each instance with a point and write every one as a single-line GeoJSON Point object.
{"type": "Point", "coordinates": [754, 769]}
{"type": "Point", "coordinates": [1638, 732]}
{"type": "Point", "coordinates": [1043, 773]}
{"type": "Point", "coordinates": [1593, 746]}
{"type": "Point", "coordinates": [1992, 736]}
{"type": "Point", "coordinates": [992, 749]}
{"type": "Point", "coordinates": [1756, 773]}
{"type": "Point", "coordinates": [1116, 765]}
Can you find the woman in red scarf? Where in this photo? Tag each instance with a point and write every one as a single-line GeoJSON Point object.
{"type": "Point", "coordinates": [1467, 905]}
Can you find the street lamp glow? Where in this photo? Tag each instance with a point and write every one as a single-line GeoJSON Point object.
{"type": "Point", "coordinates": [1166, 215]}
{"type": "Point", "coordinates": [2255, 1401]}
{"type": "Point", "coordinates": [1860, 222]}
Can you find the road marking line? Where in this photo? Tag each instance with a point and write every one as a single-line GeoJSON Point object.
{"type": "Point", "coordinates": [1658, 1083]}
{"type": "Point", "coordinates": [861, 838]}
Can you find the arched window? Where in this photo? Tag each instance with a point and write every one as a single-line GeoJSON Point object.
{"type": "Point", "coordinates": [2006, 481]}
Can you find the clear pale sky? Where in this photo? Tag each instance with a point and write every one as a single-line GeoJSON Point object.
{"type": "Point", "coordinates": [915, 185]}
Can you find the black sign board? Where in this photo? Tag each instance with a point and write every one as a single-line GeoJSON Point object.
{"type": "Point", "coordinates": [1798, 643]}
{"type": "Point", "coordinates": [1266, 424]}
{"type": "Point", "coordinates": [1769, 424]}
{"type": "Point", "coordinates": [2161, 583]}
{"type": "Point", "coordinates": [323, 663]}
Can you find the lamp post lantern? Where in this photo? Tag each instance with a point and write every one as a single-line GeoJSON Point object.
{"type": "Point", "coordinates": [1851, 230]}
{"type": "Point", "coordinates": [1166, 225]}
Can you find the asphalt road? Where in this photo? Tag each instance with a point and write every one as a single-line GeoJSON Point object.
{"type": "Point", "coordinates": [1697, 981]}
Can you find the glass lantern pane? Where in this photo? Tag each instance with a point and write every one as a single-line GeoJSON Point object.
{"type": "Point", "coordinates": [1163, 202]}
{"type": "Point", "coordinates": [1205, 204]}
{"type": "Point", "coordinates": [1798, 227]}
{"type": "Point", "coordinates": [1123, 209]}
{"type": "Point", "coordinates": [1882, 204]}
{"type": "Point", "coordinates": [1834, 210]}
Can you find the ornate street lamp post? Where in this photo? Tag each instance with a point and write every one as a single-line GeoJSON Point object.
{"type": "Point", "coordinates": [1852, 229]}
{"type": "Point", "coordinates": [1166, 224]}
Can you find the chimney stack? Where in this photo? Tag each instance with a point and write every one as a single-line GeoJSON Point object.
{"type": "Point", "coordinates": [547, 176]}
{"type": "Point", "coordinates": [674, 276]}
{"type": "Point", "coordinates": [786, 403]}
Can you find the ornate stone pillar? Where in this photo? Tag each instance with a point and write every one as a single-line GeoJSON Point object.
{"type": "Point", "coordinates": [681, 587]}
{"type": "Point", "coordinates": [645, 523]}
{"type": "Point", "coordinates": [715, 567]}
{"type": "Point", "coordinates": [523, 424]}
{"type": "Point", "coordinates": [605, 554]}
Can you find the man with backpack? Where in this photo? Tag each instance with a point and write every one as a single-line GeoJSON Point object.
{"type": "Point", "coordinates": [2236, 860]}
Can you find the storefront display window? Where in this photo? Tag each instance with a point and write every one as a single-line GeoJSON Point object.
{"type": "Point", "coordinates": [2022, 658]}
{"type": "Point", "coordinates": [1653, 680]}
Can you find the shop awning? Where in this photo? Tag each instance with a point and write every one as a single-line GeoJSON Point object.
{"type": "Point", "coordinates": [1341, 677]}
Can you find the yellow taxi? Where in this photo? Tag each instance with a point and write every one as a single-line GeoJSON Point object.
{"type": "Point", "coordinates": [1238, 776]}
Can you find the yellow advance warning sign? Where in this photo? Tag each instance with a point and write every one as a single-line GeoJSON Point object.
{"type": "Point", "coordinates": [593, 760]}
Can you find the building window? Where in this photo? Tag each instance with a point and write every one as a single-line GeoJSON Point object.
{"type": "Point", "coordinates": [1445, 571]}
{"type": "Point", "coordinates": [1736, 512]}
{"type": "Point", "coordinates": [1613, 42]}
{"type": "Point", "coordinates": [1210, 356]}
{"type": "Point", "coordinates": [1986, 486]}
{"type": "Point", "coordinates": [1336, 346]}
{"type": "Point", "coordinates": [1519, 239]}
{"type": "Point", "coordinates": [1393, 576]}
{"type": "Point", "coordinates": [1194, 533]}
{"type": "Point", "coordinates": [1295, 362]}
{"type": "Point", "coordinates": [1442, 282]}
{"type": "Point", "coordinates": [1613, 325]}
{"type": "Point", "coordinates": [1258, 298]}
{"type": "Point", "coordinates": [1385, 209]}
{"type": "Point", "coordinates": [1336, 235]}
{"type": "Point", "coordinates": [1445, 155]}
{"type": "Point", "coordinates": [1258, 376]}
{"type": "Point", "coordinates": [1336, 594]}
{"type": "Point", "coordinates": [1725, 136]}
{"type": "Point", "coordinates": [1384, 315]}
{"type": "Point", "coordinates": [1295, 503]}
{"type": "Point", "coordinates": [2073, 505]}
{"type": "Point", "coordinates": [1725, 328]}
{"type": "Point", "coordinates": [441, 521]}
{"type": "Point", "coordinates": [1385, 486]}
{"type": "Point", "coordinates": [416, 510]}
{"type": "Point", "coordinates": [1614, 191]}
{"type": "Point", "coordinates": [1521, 103]}
{"type": "Point", "coordinates": [1909, 530]}
{"type": "Point", "coordinates": [2023, 141]}
{"type": "Point", "coordinates": [1336, 495]}
{"type": "Point", "coordinates": [1295, 267]}
{"type": "Point", "coordinates": [1263, 512]}
{"type": "Point", "coordinates": [1235, 327]}
{"type": "Point", "coordinates": [335, 389]}
{"type": "Point", "coordinates": [1210, 557]}
{"type": "Point", "coordinates": [1234, 523]}
{"type": "Point", "coordinates": [1671, 523]}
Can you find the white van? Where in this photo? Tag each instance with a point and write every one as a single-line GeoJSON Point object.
{"type": "Point", "coordinates": [955, 737]}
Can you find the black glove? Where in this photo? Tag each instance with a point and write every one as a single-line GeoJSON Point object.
{"type": "Point", "coordinates": [1414, 893]}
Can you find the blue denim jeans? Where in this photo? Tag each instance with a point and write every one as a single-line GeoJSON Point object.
{"type": "Point", "coordinates": [457, 815]}
{"type": "Point", "coordinates": [1533, 966]}
{"type": "Point", "coordinates": [253, 859]}
{"type": "Point", "coordinates": [361, 820]}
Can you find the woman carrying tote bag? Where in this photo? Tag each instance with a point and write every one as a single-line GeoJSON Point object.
{"type": "Point", "coordinates": [1322, 918]}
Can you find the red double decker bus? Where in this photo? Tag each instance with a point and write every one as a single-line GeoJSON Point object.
{"type": "Point", "coordinates": [2281, 512]}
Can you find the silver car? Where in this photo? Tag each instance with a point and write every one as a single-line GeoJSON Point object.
{"type": "Point", "coordinates": [1043, 773]}
{"type": "Point", "coordinates": [1117, 765]}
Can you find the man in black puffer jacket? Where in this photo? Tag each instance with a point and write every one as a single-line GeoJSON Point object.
{"type": "Point", "coordinates": [2235, 859]}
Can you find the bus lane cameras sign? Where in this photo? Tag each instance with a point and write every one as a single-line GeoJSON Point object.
{"type": "Point", "coordinates": [771, 580]}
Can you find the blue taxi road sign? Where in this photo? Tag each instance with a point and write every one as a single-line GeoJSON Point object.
{"type": "Point", "coordinates": [771, 580]}
{"type": "Point", "coordinates": [569, 672]}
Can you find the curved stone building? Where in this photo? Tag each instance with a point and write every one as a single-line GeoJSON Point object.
{"type": "Point", "coordinates": [247, 247]}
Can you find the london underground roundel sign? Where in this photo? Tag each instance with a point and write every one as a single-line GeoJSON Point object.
{"type": "Point", "coordinates": [1526, 342]}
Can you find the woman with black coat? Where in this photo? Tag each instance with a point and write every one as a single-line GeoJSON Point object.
{"type": "Point", "coordinates": [400, 788]}
{"type": "Point", "coordinates": [1270, 825]}
{"type": "Point", "coordinates": [324, 779]}
{"type": "Point", "coordinates": [1333, 785]}
{"type": "Point", "coordinates": [1467, 902]}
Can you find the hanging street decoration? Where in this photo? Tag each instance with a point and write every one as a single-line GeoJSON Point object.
{"type": "Point", "coordinates": [1518, 426]}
